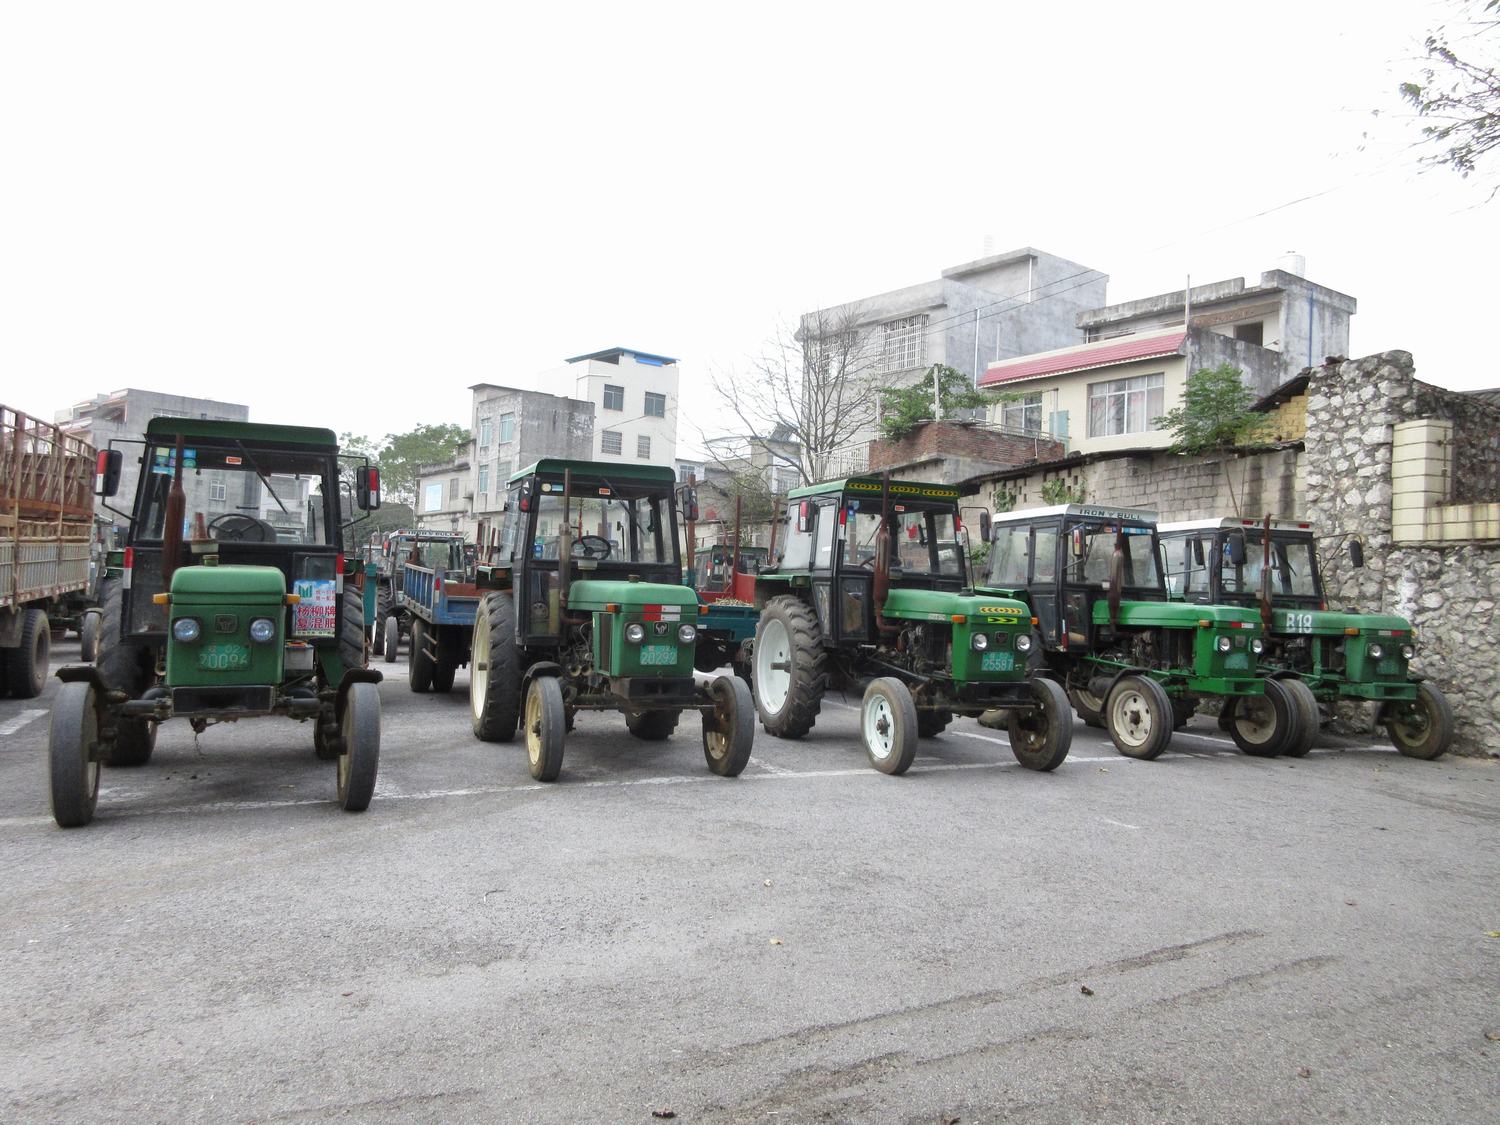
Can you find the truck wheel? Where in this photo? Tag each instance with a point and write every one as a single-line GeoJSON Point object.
{"type": "Point", "coordinates": [888, 725]}
{"type": "Point", "coordinates": [88, 637]}
{"type": "Point", "coordinates": [930, 724]}
{"type": "Point", "coordinates": [442, 676]}
{"type": "Point", "coordinates": [1422, 728]}
{"type": "Point", "coordinates": [419, 666]}
{"type": "Point", "coordinates": [1309, 721]}
{"type": "Point", "coordinates": [360, 760]}
{"type": "Point", "coordinates": [791, 668]}
{"type": "Point", "coordinates": [1041, 736]}
{"type": "Point", "coordinates": [1090, 707]}
{"type": "Point", "coordinates": [729, 732]}
{"type": "Point", "coordinates": [26, 664]}
{"type": "Point", "coordinates": [71, 748]}
{"type": "Point", "coordinates": [1263, 725]}
{"type": "Point", "coordinates": [652, 726]}
{"type": "Point", "coordinates": [546, 723]}
{"type": "Point", "coordinates": [390, 638]}
{"type": "Point", "coordinates": [494, 672]}
{"type": "Point", "coordinates": [1138, 714]}
{"type": "Point", "coordinates": [135, 739]}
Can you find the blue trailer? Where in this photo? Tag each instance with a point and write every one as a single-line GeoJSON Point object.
{"type": "Point", "coordinates": [440, 601]}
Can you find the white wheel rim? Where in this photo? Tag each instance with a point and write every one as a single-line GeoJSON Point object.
{"type": "Point", "coordinates": [773, 684]}
{"type": "Point", "coordinates": [878, 723]}
{"type": "Point", "coordinates": [1133, 718]}
{"type": "Point", "coordinates": [534, 724]}
{"type": "Point", "coordinates": [1255, 719]}
{"type": "Point", "coordinates": [479, 670]}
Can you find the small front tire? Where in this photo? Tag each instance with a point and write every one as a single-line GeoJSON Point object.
{"type": "Point", "coordinates": [72, 755]}
{"type": "Point", "coordinates": [1309, 723]}
{"type": "Point", "coordinates": [360, 760]}
{"type": "Point", "coordinates": [546, 722]}
{"type": "Point", "coordinates": [390, 639]}
{"type": "Point", "coordinates": [1138, 712]}
{"type": "Point", "coordinates": [88, 637]}
{"type": "Point", "coordinates": [729, 733]}
{"type": "Point", "coordinates": [1264, 725]}
{"type": "Point", "coordinates": [1422, 728]}
{"type": "Point", "coordinates": [1041, 736]}
{"type": "Point", "coordinates": [888, 725]}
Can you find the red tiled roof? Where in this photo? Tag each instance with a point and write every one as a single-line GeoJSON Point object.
{"type": "Point", "coordinates": [1105, 353]}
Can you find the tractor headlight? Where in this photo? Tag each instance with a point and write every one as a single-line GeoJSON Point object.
{"type": "Point", "coordinates": [687, 634]}
{"type": "Point", "coordinates": [187, 629]}
{"type": "Point", "coordinates": [1023, 642]}
{"type": "Point", "coordinates": [635, 632]}
{"type": "Point", "coordinates": [262, 630]}
{"type": "Point", "coordinates": [1257, 645]}
{"type": "Point", "coordinates": [979, 642]}
{"type": "Point", "coordinates": [1225, 644]}
{"type": "Point", "coordinates": [1408, 651]}
{"type": "Point", "coordinates": [1376, 651]}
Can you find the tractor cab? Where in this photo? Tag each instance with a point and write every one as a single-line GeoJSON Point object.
{"type": "Point", "coordinates": [718, 578]}
{"type": "Point", "coordinates": [1222, 562]}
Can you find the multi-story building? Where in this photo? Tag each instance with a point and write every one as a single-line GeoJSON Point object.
{"type": "Point", "coordinates": [513, 428]}
{"type": "Point", "coordinates": [1108, 393]}
{"type": "Point", "coordinates": [445, 500]}
{"type": "Point", "coordinates": [635, 398]}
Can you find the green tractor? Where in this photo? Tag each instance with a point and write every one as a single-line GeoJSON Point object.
{"type": "Point", "coordinates": [584, 608]}
{"type": "Point", "coordinates": [230, 603]}
{"type": "Point", "coordinates": [1134, 662]}
{"type": "Point", "coordinates": [1359, 657]}
{"type": "Point", "coordinates": [871, 592]}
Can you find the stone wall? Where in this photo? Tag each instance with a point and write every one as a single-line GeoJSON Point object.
{"type": "Point", "coordinates": [963, 439]}
{"type": "Point", "coordinates": [1448, 592]}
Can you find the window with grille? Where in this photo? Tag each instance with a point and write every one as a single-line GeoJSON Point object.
{"type": "Point", "coordinates": [1024, 415]}
{"type": "Point", "coordinates": [643, 446]}
{"type": "Point", "coordinates": [484, 478]}
{"type": "Point", "coordinates": [1125, 406]}
{"type": "Point", "coordinates": [610, 442]}
{"type": "Point", "coordinates": [507, 428]}
{"type": "Point", "coordinates": [614, 397]}
{"type": "Point", "coordinates": [903, 344]}
{"type": "Point", "coordinates": [656, 405]}
{"type": "Point", "coordinates": [486, 432]}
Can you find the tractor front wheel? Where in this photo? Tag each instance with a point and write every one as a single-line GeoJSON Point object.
{"type": "Point", "coordinates": [1423, 727]}
{"type": "Point", "coordinates": [1309, 722]}
{"type": "Point", "coordinates": [390, 639]}
{"type": "Point", "coordinates": [729, 732]}
{"type": "Point", "coordinates": [791, 668]}
{"type": "Point", "coordinates": [1264, 725]}
{"type": "Point", "coordinates": [72, 755]}
{"type": "Point", "coordinates": [888, 725]}
{"type": "Point", "coordinates": [546, 723]}
{"type": "Point", "coordinates": [494, 672]}
{"type": "Point", "coordinates": [1138, 714]}
{"type": "Point", "coordinates": [360, 760]}
{"type": "Point", "coordinates": [88, 637]}
{"type": "Point", "coordinates": [1041, 736]}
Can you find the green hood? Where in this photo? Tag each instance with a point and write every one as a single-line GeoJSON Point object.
{"type": "Point", "coordinates": [1174, 615]}
{"type": "Point", "coordinates": [1330, 623]}
{"type": "Point", "coordinates": [944, 605]}
{"type": "Point", "coordinates": [591, 594]}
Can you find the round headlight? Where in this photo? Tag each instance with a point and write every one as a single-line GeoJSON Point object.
{"type": "Point", "coordinates": [262, 629]}
{"type": "Point", "coordinates": [186, 629]}
{"type": "Point", "coordinates": [1225, 644]}
{"type": "Point", "coordinates": [1257, 645]}
{"type": "Point", "coordinates": [1408, 651]}
{"type": "Point", "coordinates": [1376, 652]}
{"type": "Point", "coordinates": [687, 634]}
{"type": "Point", "coordinates": [635, 632]}
{"type": "Point", "coordinates": [979, 642]}
{"type": "Point", "coordinates": [1023, 642]}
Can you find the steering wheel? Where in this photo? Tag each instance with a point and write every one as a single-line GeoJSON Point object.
{"type": "Point", "coordinates": [591, 547]}
{"type": "Point", "coordinates": [236, 527]}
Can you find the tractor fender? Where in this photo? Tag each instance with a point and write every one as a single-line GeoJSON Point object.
{"type": "Point", "coordinates": [540, 668]}
{"type": "Point", "coordinates": [354, 676]}
{"type": "Point", "coordinates": [1110, 683]}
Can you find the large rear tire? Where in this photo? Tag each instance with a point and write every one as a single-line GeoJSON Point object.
{"type": "Point", "coordinates": [1040, 738]}
{"type": "Point", "coordinates": [353, 652]}
{"type": "Point", "coordinates": [1424, 727]}
{"type": "Point", "coordinates": [360, 760]}
{"type": "Point", "coordinates": [888, 725]}
{"type": "Point", "coordinates": [26, 664]}
{"type": "Point", "coordinates": [729, 733]}
{"type": "Point", "coordinates": [652, 726]}
{"type": "Point", "coordinates": [72, 761]}
{"type": "Point", "coordinates": [546, 724]}
{"type": "Point", "coordinates": [1264, 725]}
{"type": "Point", "coordinates": [1138, 714]}
{"type": "Point", "coordinates": [494, 670]}
{"type": "Point", "coordinates": [791, 668]}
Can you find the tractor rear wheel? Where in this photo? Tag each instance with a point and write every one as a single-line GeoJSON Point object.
{"type": "Point", "coordinates": [1264, 725]}
{"type": "Point", "coordinates": [1138, 712]}
{"type": "Point", "coordinates": [888, 725]}
{"type": "Point", "coordinates": [26, 664]}
{"type": "Point", "coordinates": [494, 670]}
{"type": "Point", "coordinates": [420, 666]}
{"type": "Point", "coordinates": [1041, 736]}
{"type": "Point", "coordinates": [127, 668]}
{"type": "Point", "coordinates": [729, 732]}
{"type": "Point", "coordinates": [652, 726]}
{"type": "Point", "coordinates": [1090, 707]}
{"type": "Point", "coordinates": [791, 668]}
{"type": "Point", "coordinates": [930, 724]}
{"type": "Point", "coordinates": [360, 760]}
{"type": "Point", "coordinates": [546, 724]}
{"type": "Point", "coordinates": [1422, 728]}
{"type": "Point", "coordinates": [1308, 724]}
{"type": "Point", "coordinates": [353, 652]}
{"type": "Point", "coordinates": [72, 762]}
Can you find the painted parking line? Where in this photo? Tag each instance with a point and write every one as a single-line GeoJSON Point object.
{"type": "Point", "coordinates": [16, 722]}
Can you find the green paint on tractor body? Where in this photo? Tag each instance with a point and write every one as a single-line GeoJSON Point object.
{"type": "Point", "coordinates": [659, 609]}
{"type": "Point", "coordinates": [998, 621]}
{"type": "Point", "coordinates": [223, 601]}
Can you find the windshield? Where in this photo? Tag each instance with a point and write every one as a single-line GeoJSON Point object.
{"type": "Point", "coordinates": [1091, 546]}
{"type": "Point", "coordinates": [605, 528]}
{"type": "Point", "coordinates": [1293, 573]}
{"type": "Point", "coordinates": [925, 541]}
{"type": "Point", "coordinates": [243, 495]}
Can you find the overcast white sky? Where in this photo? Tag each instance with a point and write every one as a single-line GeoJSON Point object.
{"type": "Point", "coordinates": [344, 214]}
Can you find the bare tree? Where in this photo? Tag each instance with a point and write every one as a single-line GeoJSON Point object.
{"type": "Point", "coordinates": [809, 395]}
{"type": "Point", "coordinates": [1459, 94]}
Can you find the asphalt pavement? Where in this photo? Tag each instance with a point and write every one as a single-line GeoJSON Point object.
{"type": "Point", "coordinates": [1207, 937]}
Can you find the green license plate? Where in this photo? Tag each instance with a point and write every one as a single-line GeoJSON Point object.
{"type": "Point", "coordinates": [997, 662]}
{"type": "Point", "coordinates": [224, 658]}
{"type": "Point", "coordinates": [1237, 662]}
{"type": "Point", "coordinates": [1391, 667]}
{"type": "Point", "coordinates": [658, 655]}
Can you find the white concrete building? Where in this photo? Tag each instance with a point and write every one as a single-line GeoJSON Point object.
{"type": "Point", "coordinates": [635, 396]}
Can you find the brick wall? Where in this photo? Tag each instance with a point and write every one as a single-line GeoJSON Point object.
{"type": "Point", "coordinates": [963, 439]}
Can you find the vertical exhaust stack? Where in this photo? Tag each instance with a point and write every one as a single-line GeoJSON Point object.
{"type": "Point", "coordinates": [171, 535]}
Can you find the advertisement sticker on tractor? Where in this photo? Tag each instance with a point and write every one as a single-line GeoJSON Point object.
{"type": "Point", "coordinates": [315, 614]}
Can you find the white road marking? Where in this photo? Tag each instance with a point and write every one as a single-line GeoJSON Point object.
{"type": "Point", "coordinates": [767, 766]}
{"type": "Point", "coordinates": [10, 726]}
{"type": "Point", "coordinates": [1121, 824]}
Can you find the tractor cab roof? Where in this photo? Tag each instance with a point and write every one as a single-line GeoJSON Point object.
{"type": "Point", "coordinates": [250, 433]}
{"type": "Point", "coordinates": [1083, 511]}
{"type": "Point", "coordinates": [599, 470]}
{"type": "Point", "coordinates": [1229, 522]}
{"type": "Point", "coordinates": [873, 486]}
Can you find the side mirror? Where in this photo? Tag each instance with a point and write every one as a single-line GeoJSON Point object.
{"type": "Point", "coordinates": [984, 527]}
{"type": "Point", "coordinates": [1197, 551]}
{"type": "Point", "coordinates": [1234, 546]}
{"type": "Point", "coordinates": [690, 505]}
{"type": "Point", "coordinates": [367, 487]}
{"type": "Point", "coordinates": [107, 472]}
{"type": "Point", "coordinates": [1356, 553]}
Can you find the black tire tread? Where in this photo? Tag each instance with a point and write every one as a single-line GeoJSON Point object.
{"type": "Point", "coordinates": [805, 696]}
